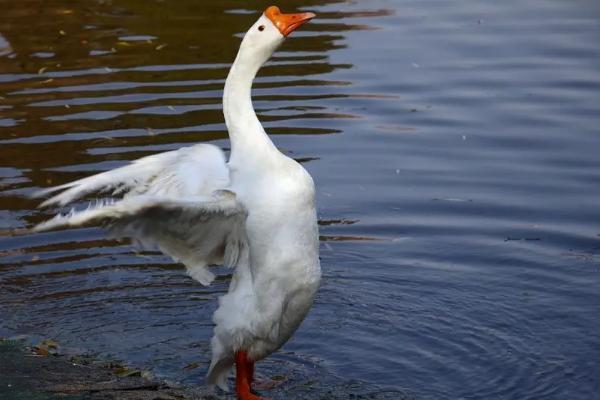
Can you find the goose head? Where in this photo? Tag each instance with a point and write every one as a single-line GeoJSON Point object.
{"type": "Point", "coordinates": [248, 138]}
{"type": "Point", "coordinates": [269, 32]}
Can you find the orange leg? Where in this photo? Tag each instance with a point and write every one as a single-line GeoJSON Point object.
{"type": "Point", "coordinates": [244, 369]}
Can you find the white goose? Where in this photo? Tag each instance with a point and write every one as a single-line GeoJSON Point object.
{"type": "Point", "coordinates": [255, 213]}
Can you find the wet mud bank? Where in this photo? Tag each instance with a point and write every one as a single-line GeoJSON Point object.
{"type": "Point", "coordinates": [40, 373]}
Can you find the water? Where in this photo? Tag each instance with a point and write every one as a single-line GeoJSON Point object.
{"type": "Point", "coordinates": [455, 148]}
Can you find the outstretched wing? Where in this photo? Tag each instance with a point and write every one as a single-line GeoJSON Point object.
{"type": "Point", "coordinates": [173, 201]}
{"type": "Point", "coordinates": [189, 171]}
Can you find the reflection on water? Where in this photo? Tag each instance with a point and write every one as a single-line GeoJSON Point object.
{"type": "Point", "coordinates": [454, 146]}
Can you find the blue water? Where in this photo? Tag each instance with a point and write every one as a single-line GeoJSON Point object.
{"type": "Point", "coordinates": [456, 150]}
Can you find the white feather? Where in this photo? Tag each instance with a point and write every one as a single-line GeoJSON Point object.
{"type": "Point", "coordinates": [171, 202]}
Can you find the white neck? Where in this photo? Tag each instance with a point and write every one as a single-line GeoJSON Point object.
{"type": "Point", "coordinates": [247, 135]}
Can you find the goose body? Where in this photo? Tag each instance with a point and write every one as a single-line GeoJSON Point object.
{"type": "Point", "coordinates": [255, 213]}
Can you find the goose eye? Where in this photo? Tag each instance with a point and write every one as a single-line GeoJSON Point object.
{"type": "Point", "coordinates": [261, 28]}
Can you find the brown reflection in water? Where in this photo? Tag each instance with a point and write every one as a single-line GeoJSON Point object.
{"type": "Point", "coordinates": [72, 36]}
{"type": "Point", "coordinates": [87, 85]}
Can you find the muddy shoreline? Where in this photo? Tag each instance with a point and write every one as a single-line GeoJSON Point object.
{"type": "Point", "coordinates": [40, 373]}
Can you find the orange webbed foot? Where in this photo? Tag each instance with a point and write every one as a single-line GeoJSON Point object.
{"type": "Point", "coordinates": [244, 368]}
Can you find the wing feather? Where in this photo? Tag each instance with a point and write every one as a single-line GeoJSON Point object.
{"type": "Point", "coordinates": [188, 171]}
{"type": "Point", "coordinates": [173, 201]}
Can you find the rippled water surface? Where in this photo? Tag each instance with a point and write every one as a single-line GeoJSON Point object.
{"type": "Point", "coordinates": [456, 149]}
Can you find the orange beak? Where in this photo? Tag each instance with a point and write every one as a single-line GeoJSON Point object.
{"type": "Point", "coordinates": [287, 23]}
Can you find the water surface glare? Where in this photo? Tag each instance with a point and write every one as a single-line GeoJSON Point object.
{"type": "Point", "coordinates": [455, 147]}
